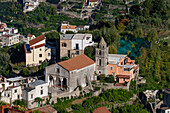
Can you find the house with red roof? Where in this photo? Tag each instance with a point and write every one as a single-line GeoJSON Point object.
{"type": "Point", "coordinates": [65, 26]}
{"type": "Point", "coordinates": [72, 73]}
{"type": "Point", "coordinates": [92, 3]}
{"type": "Point", "coordinates": [30, 37]}
{"type": "Point", "coordinates": [101, 110]}
{"type": "Point", "coordinates": [36, 51]}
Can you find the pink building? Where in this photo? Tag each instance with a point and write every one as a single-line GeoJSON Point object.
{"type": "Point", "coordinates": [122, 67]}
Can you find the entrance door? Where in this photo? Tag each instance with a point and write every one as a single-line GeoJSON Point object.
{"type": "Point", "coordinates": [77, 46]}
{"type": "Point", "coordinates": [68, 53]}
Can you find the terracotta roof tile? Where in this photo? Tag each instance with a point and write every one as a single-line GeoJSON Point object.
{"type": "Point", "coordinates": [78, 62]}
{"type": "Point", "coordinates": [124, 20]}
{"type": "Point", "coordinates": [68, 27]}
{"type": "Point", "coordinates": [38, 39]}
{"type": "Point", "coordinates": [101, 110]}
{"type": "Point", "coordinates": [37, 46]}
{"type": "Point", "coordinates": [46, 109]}
{"type": "Point", "coordinates": [29, 35]}
{"type": "Point", "coordinates": [93, 0]}
{"type": "Point", "coordinates": [123, 76]}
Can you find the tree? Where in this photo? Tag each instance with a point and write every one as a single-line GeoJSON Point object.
{"type": "Point", "coordinates": [2, 103]}
{"type": "Point", "coordinates": [37, 111]}
{"type": "Point", "coordinates": [138, 33]}
{"type": "Point", "coordinates": [43, 65]}
{"type": "Point", "coordinates": [64, 58]}
{"type": "Point", "coordinates": [152, 35]}
{"type": "Point", "coordinates": [90, 52]}
{"type": "Point", "coordinates": [21, 103]}
{"type": "Point", "coordinates": [39, 100]}
{"type": "Point", "coordinates": [25, 71]}
{"type": "Point", "coordinates": [52, 36]}
{"type": "Point", "coordinates": [4, 61]}
{"type": "Point", "coordinates": [112, 49]}
{"type": "Point", "coordinates": [135, 10]}
{"type": "Point", "coordinates": [121, 27]}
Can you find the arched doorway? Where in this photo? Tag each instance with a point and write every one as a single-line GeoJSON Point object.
{"type": "Point", "coordinates": [51, 80]}
{"type": "Point", "coordinates": [87, 83]}
{"type": "Point", "coordinates": [64, 83]}
{"type": "Point", "coordinates": [59, 82]}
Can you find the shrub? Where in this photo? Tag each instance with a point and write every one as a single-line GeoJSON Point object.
{"type": "Point", "coordinates": [121, 95]}
{"type": "Point", "coordinates": [21, 103]}
{"type": "Point", "coordinates": [109, 79]}
{"type": "Point", "coordinates": [37, 111]}
{"type": "Point", "coordinates": [2, 103]}
{"type": "Point", "coordinates": [80, 88]}
{"type": "Point", "coordinates": [102, 78]}
{"type": "Point", "coordinates": [96, 88]}
{"type": "Point", "coordinates": [25, 72]}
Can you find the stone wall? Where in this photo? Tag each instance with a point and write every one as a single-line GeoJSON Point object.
{"type": "Point", "coordinates": [33, 104]}
{"type": "Point", "coordinates": [8, 0]}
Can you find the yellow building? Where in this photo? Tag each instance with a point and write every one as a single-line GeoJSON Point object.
{"type": "Point", "coordinates": [92, 3]}
{"type": "Point", "coordinates": [36, 52]}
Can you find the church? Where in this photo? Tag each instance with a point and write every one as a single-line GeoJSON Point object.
{"type": "Point", "coordinates": [72, 73]}
{"type": "Point", "coordinates": [80, 70]}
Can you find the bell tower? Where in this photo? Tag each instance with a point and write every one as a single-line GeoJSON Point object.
{"type": "Point", "coordinates": [102, 58]}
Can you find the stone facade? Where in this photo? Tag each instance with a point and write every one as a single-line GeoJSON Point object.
{"type": "Point", "coordinates": [61, 76]}
{"type": "Point", "coordinates": [66, 49]}
{"type": "Point", "coordinates": [72, 45]}
{"type": "Point", "coordinates": [102, 58]}
{"type": "Point", "coordinates": [69, 80]}
{"type": "Point", "coordinates": [166, 97]}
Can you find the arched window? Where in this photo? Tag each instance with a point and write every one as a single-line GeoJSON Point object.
{"type": "Point", "coordinates": [64, 45]}
{"type": "Point", "coordinates": [99, 52]}
{"type": "Point", "coordinates": [100, 62]}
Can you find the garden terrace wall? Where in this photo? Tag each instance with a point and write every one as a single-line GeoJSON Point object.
{"type": "Point", "coordinates": [3, 107]}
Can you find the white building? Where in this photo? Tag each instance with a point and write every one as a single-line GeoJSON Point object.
{"type": "Point", "coordinates": [83, 27]}
{"type": "Point", "coordinates": [9, 36]}
{"type": "Point", "coordinates": [11, 94]}
{"type": "Point", "coordinates": [35, 89]}
{"type": "Point", "coordinates": [65, 26]}
{"type": "Point", "coordinates": [30, 5]}
{"type": "Point", "coordinates": [10, 39]}
{"type": "Point", "coordinates": [80, 41]}
{"type": "Point", "coordinates": [11, 89]}
{"type": "Point", "coordinates": [165, 110]}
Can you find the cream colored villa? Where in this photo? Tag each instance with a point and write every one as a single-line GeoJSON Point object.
{"type": "Point", "coordinates": [36, 52]}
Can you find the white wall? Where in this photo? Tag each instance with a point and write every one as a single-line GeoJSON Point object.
{"type": "Point", "coordinates": [77, 41]}
{"type": "Point", "coordinates": [37, 91]}
{"type": "Point", "coordinates": [82, 43]}
{"type": "Point", "coordinates": [15, 95]}
{"type": "Point", "coordinates": [167, 111]}
{"type": "Point", "coordinates": [73, 30]}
